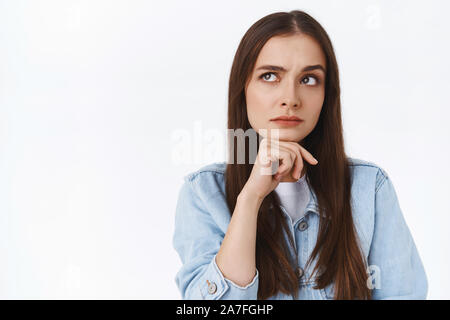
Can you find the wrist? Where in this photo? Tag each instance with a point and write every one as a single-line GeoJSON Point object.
{"type": "Point", "coordinates": [250, 197]}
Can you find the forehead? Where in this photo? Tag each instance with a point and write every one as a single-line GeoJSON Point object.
{"type": "Point", "coordinates": [291, 51]}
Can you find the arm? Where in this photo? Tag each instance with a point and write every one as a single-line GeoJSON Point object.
{"type": "Point", "coordinates": [393, 253]}
{"type": "Point", "coordinates": [236, 257]}
{"type": "Point", "coordinates": [198, 241]}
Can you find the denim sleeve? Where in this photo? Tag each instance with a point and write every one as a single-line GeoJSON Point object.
{"type": "Point", "coordinates": [197, 239]}
{"type": "Point", "coordinates": [398, 272]}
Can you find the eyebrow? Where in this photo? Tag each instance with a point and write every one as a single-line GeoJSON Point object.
{"type": "Point", "coordinates": [278, 68]}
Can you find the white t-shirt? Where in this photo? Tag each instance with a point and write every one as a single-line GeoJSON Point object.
{"type": "Point", "coordinates": [294, 197]}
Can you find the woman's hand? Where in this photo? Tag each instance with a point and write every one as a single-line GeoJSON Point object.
{"type": "Point", "coordinates": [262, 179]}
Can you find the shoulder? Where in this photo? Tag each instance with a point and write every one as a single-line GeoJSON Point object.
{"type": "Point", "coordinates": [367, 177]}
{"type": "Point", "coordinates": [206, 170]}
{"type": "Point", "coordinates": [367, 172]}
{"type": "Point", "coordinates": [204, 192]}
{"type": "Point", "coordinates": [208, 182]}
{"type": "Point", "coordinates": [361, 170]}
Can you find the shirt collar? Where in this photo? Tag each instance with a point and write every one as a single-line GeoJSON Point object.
{"type": "Point", "coordinates": [312, 204]}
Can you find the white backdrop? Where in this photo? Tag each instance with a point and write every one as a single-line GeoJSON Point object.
{"type": "Point", "coordinates": [92, 94]}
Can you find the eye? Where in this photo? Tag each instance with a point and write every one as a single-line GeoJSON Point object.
{"type": "Point", "coordinates": [263, 76]}
{"type": "Point", "coordinates": [308, 78]}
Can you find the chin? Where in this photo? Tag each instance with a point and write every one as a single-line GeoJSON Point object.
{"type": "Point", "coordinates": [290, 139]}
{"type": "Point", "coordinates": [290, 136]}
{"type": "Point", "coordinates": [284, 134]}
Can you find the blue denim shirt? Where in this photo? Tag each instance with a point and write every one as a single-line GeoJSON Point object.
{"type": "Point", "coordinates": [202, 217]}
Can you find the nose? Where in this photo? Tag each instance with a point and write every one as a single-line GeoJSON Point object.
{"type": "Point", "coordinates": [290, 98]}
{"type": "Point", "coordinates": [289, 104]}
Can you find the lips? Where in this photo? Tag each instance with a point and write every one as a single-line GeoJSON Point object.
{"type": "Point", "coordinates": [285, 121]}
{"type": "Point", "coordinates": [287, 118]}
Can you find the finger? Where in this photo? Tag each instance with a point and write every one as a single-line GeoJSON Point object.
{"type": "Point", "coordinates": [263, 160]}
{"type": "Point", "coordinates": [267, 169]}
{"type": "Point", "coordinates": [264, 157]}
{"type": "Point", "coordinates": [295, 164]}
{"type": "Point", "coordinates": [299, 155]}
{"type": "Point", "coordinates": [268, 163]}
{"type": "Point", "coordinates": [273, 147]}
{"type": "Point", "coordinates": [298, 160]}
{"type": "Point", "coordinates": [307, 156]}
{"type": "Point", "coordinates": [287, 160]}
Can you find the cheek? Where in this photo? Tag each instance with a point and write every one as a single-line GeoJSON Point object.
{"type": "Point", "coordinates": [258, 104]}
{"type": "Point", "coordinates": [314, 101]}
{"type": "Point", "coordinates": [254, 113]}
{"type": "Point", "coordinates": [255, 95]}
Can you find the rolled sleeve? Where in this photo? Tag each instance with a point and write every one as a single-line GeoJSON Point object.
{"type": "Point", "coordinates": [226, 289]}
{"type": "Point", "coordinates": [393, 254]}
{"type": "Point", "coordinates": [197, 239]}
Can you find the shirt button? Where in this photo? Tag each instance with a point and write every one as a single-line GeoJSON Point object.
{"type": "Point", "coordinates": [302, 226]}
{"type": "Point", "coordinates": [212, 288]}
{"type": "Point", "coordinates": [300, 272]}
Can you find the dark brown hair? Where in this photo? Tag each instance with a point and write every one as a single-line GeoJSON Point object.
{"type": "Point", "coordinates": [340, 258]}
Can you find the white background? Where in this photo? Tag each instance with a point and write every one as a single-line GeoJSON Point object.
{"type": "Point", "coordinates": [92, 92]}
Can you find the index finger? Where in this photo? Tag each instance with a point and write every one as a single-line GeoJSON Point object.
{"type": "Point", "coordinates": [307, 156]}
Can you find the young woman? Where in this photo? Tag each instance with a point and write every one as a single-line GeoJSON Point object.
{"type": "Point", "coordinates": [324, 225]}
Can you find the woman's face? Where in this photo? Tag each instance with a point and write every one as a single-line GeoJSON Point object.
{"type": "Point", "coordinates": [298, 89]}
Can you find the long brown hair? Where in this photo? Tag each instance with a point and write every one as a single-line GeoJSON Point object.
{"type": "Point", "coordinates": [340, 258]}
